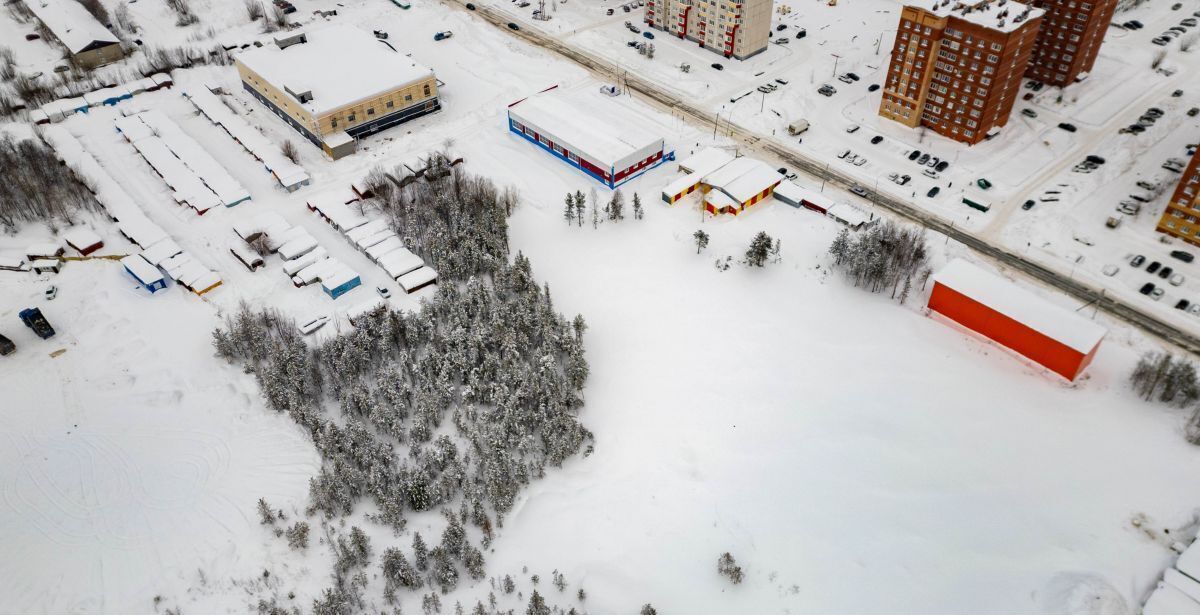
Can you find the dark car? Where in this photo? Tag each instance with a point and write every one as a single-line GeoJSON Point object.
{"type": "Point", "coordinates": [1095, 159]}
{"type": "Point", "coordinates": [6, 346]}
{"type": "Point", "coordinates": [781, 27]}
{"type": "Point", "coordinates": [852, 76]}
{"type": "Point", "coordinates": [941, 166]}
{"type": "Point", "coordinates": [913, 155]}
{"type": "Point", "coordinates": [1137, 261]}
{"type": "Point", "coordinates": [1146, 288]}
{"type": "Point", "coordinates": [1186, 257]}
{"type": "Point", "coordinates": [1153, 266]}
{"type": "Point", "coordinates": [782, 170]}
{"type": "Point", "coordinates": [802, 33]}
{"type": "Point", "coordinates": [1177, 93]}
{"type": "Point", "coordinates": [872, 87]}
{"type": "Point", "coordinates": [513, 26]}
{"type": "Point", "coordinates": [471, 7]}
{"type": "Point", "coordinates": [1028, 205]}
{"type": "Point", "coordinates": [1182, 304]}
{"type": "Point", "coordinates": [1165, 272]}
{"type": "Point", "coordinates": [923, 159]}
{"type": "Point", "coordinates": [876, 140]}
{"type": "Point", "coordinates": [1067, 127]}
{"type": "Point", "coordinates": [933, 192]}
{"type": "Point", "coordinates": [717, 66]}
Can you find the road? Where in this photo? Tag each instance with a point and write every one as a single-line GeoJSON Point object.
{"type": "Point", "coordinates": [816, 169]}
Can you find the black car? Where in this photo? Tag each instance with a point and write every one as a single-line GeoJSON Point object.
{"type": "Point", "coordinates": [781, 27]}
{"type": "Point", "coordinates": [513, 26]}
{"type": "Point", "coordinates": [470, 7]}
{"type": "Point", "coordinates": [1067, 127]}
{"type": "Point", "coordinates": [941, 166]}
{"type": "Point", "coordinates": [1182, 304]}
{"type": "Point", "coordinates": [717, 66]}
{"type": "Point", "coordinates": [876, 140]}
{"type": "Point", "coordinates": [872, 87]}
{"type": "Point", "coordinates": [1186, 257]}
{"type": "Point", "coordinates": [913, 155]}
{"type": "Point", "coordinates": [802, 33]}
{"type": "Point", "coordinates": [933, 192]}
{"type": "Point", "coordinates": [1094, 159]}
{"type": "Point", "coordinates": [1177, 93]}
{"type": "Point", "coordinates": [1146, 288]}
{"type": "Point", "coordinates": [1028, 205]}
{"type": "Point", "coordinates": [852, 76]}
{"type": "Point", "coordinates": [1165, 272]}
{"type": "Point", "coordinates": [6, 346]}
{"type": "Point", "coordinates": [1137, 261]}
{"type": "Point", "coordinates": [1153, 266]}
{"type": "Point", "coordinates": [782, 170]}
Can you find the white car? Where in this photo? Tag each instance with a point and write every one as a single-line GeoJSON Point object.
{"type": "Point", "coordinates": [51, 293]}
{"type": "Point", "coordinates": [1177, 280]}
{"type": "Point", "coordinates": [383, 291]}
{"type": "Point", "coordinates": [858, 162]}
{"type": "Point", "coordinates": [313, 325]}
{"type": "Point", "coordinates": [852, 128]}
{"type": "Point", "coordinates": [1110, 270]}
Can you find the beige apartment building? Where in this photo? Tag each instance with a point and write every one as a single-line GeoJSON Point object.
{"type": "Point", "coordinates": [337, 84]}
{"type": "Point", "coordinates": [733, 28]}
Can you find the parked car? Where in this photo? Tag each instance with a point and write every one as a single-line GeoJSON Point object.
{"type": "Point", "coordinates": [1165, 272]}
{"type": "Point", "coordinates": [802, 33]}
{"type": "Point", "coordinates": [1177, 280]}
{"type": "Point", "coordinates": [852, 76]}
{"type": "Point", "coordinates": [827, 90]}
{"type": "Point", "coordinates": [1067, 127]}
{"type": "Point", "coordinates": [1029, 113]}
{"type": "Point", "coordinates": [33, 318]}
{"type": "Point", "coordinates": [933, 192]}
{"type": "Point", "coordinates": [471, 7]}
{"type": "Point", "coordinates": [872, 87]}
{"type": "Point", "coordinates": [513, 26]}
{"type": "Point", "coordinates": [844, 154]}
{"type": "Point", "coordinates": [1028, 205]}
{"type": "Point", "coordinates": [942, 166]}
{"type": "Point", "coordinates": [845, 79]}
{"type": "Point", "coordinates": [7, 347]}
{"type": "Point", "coordinates": [1182, 304]}
{"type": "Point", "coordinates": [930, 173]}
{"type": "Point", "coordinates": [1153, 267]}
{"type": "Point", "coordinates": [913, 155]}
{"type": "Point", "coordinates": [1182, 255]}
{"type": "Point", "coordinates": [1137, 261]}
{"type": "Point", "coordinates": [876, 140]}
{"type": "Point", "coordinates": [1157, 293]}
{"type": "Point", "coordinates": [441, 36]}
{"type": "Point", "coordinates": [781, 27]}
{"type": "Point", "coordinates": [859, 161]}
{"type": "Point", "coordinates": [1146, 288]}
{"type": "Point", "coordinates": [1110, 270]}
{"type": "Point", "coordinates": [852, 128]}
{"type": "Point", "coordinates": [50, 293]}
{"type": "Point", "coordinates": [983, 183]}
{"type": "Point", "coordinates": [383, 291]}
{"type": "Point", "coordinates": [859, 190]}
{"type": "Point", "coordinates": [648, 34]}
{"type": "Point", "coordinates": [717, 66]}
{"type": "Point", "coordinates": [1095, 159]}
{"type": "Point", "coordinates": [933, 162]}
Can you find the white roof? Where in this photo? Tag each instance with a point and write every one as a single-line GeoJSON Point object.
{"type": "Point", "coordinates": [162, 250]}
{"type": "Point", "coordinates": [257, 224]}
{"type": "Point", "coordinates": [295, 265]}
{"type": "Point", "coordinates": [1001, 295]}
{"type": "Point", "coordinates": [339, 65]}
{"type": "Point", "coordinates": [590, 130]}
{"type": "Point", "coordinates": [297, 247]}
{"type": "Point", "coordinates": [399, 262]}
{"type": "Point", "coordinates": [318, 270]}
{"type": "Point", "coordinates": [1189, 562]}
{"type": "Point", "coordinates": [46, 263]}
{"type": "Point", "coordinates": [988, 14]}
{"type": "Point", "coordinates": [720, 200]}
{"type": "Point", "coordinates": [242, 250]}
{"type": "Point", "coordinates": [420, 277]}
{"type": "Point", "coordinates": [705, 161]}
{"type": "Point", "coordinates": [794, 193]}
{"type": "Point", "coordinates": [1183, 583]}
{"type": "Point", "coordinates": [141, 269]}
{"type": "Point", "coordinates": [681, 183]}
{"type": "Point", "coordinates": [71, 23]}
{"type": "Point", "coordinates": [370, 240]}
{"type": "Point", "coordinates": [743, 178]}
{"type": "Point", "coordinates": [288, 173]}
{"type": "Point", "coordinates": [366, 230]}
{"type": "Point", "coordinates": [848, 214]}
{"type": "Point", "coordinates": [378, 250]}
{"type": "Point", "coordinates": [1167, 600]}
{"type": "Point", "coordinates": [338, 277]}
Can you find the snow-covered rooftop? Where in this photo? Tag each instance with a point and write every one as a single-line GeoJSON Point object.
{"type": "Point", "coordinates": [1001, 295]}
{"type": "Point", "coordinates": [743, 178]}
{"type": "Point", "coordinates": [81, 237]}
{"type": "Point", "coordinates": [705, 161]}
{"type": "Point", "coordinates": [991, 14]}
{"type": "Point", "coordinates": [420, 277]}
{"type": "Point", "coordinates": [1189, 562]}
{"type": "Point", "coordinates": [71, 24]}
{"type": "Point", "coordinates": [848, 214]}
{"type": "Point", "coordinates": [587, 128]}
{"type": "Point", "coordinates": [338, 65]}
{"type": "Point", "coordinates": [142, 270]}
{"type": "Point", "coordinates": [1167, 600]}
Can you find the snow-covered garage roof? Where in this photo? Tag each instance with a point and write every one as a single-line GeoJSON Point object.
{"type": "Point", "coordinates": [591, 129]}
{"type": "Point", "coordinates": [1001, 295]}
{"type": "Point", "coordinates": [71, 24]}
{"type": "Point", "coordinates": [743, 178]}
{"type": "Point", "coordinates": [1167, 600]}
{"type": "Point", "coordinates": [705, 161]}
{"type": "Point", "coordinates": [339, 65]}
{"type": "Point", "coordinates": [1189, 561]}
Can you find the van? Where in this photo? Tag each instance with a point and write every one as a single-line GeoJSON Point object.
{"type": "Point", "coordinates": [1142, 196]}
{"type": "Point", "coordinates": [976, 202]}
{"type": "Point", "coordinates": [797, 127]}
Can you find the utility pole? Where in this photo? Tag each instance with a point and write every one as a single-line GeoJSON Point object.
{"type": "Point", "coordinates": [836, 57]}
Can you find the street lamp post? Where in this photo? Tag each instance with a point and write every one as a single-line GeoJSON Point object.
{"type": "Point", "coordinates": [836, 57]}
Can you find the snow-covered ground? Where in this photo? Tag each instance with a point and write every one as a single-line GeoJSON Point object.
{"type": "Point", "coordinates": [855, 456]}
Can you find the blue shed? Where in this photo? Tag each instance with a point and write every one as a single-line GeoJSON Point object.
{"type": "Point", "coordinates": [148, 276]}
{"type": "Point", "coordinates": [340, 282]}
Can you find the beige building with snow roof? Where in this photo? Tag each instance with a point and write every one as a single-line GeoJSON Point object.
{"type": "Point", "coordinates": [337, 84]}
{"type": "Point", "coordinates": [88, 42]}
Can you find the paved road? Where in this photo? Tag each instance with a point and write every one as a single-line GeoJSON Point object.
{"type": "Point", "coordinates": [820, 170]}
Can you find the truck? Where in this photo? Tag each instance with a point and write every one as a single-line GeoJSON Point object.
{"type": "Point", "coordinates": [976, 201]}
{"type": "Point", "coordinates": [441, 36]}
{"type": "Point", "coordinates": [797, 127]}
{"type": "Point", "coordinates": [32, 317]}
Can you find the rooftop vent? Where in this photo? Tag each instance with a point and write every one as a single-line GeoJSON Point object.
{"type": "Point", "coordinates": [301, 94]}
{"type": "Point", "coordinates": [283, 42]}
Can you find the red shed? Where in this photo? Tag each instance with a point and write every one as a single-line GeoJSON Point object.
{"type": "Point", "coordinates": [85, 241]}
{"type": "Point", "coordinates": [1056, 338]}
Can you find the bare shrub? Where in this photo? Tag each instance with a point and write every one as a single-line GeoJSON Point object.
{"type": "Point", "coordinates": [290, 151]}
{"type": "Point", "coordinates": [254, 10]}
{"type": "Point", "coordinates": [8, 64]}
{"type": "Point", "coordinates": [276, 21]}
{"type": "Point", "coordinates": [97, 10]}
{"type": "Point", "coordinates": [125, 21]}
{"type": "Point", "coordinates": [728, 568]}
{"type": "Point", "coordinates": [183, 13]}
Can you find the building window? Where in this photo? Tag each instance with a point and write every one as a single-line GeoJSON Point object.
{"type": "Point", "coordinates": [427, 89]}
{"type": "Point", "coordinates": [333, 123]}
{"type": "Point", "coordinates": [390, 104]}
{"type": "Point", "coordinates": [350, 118]}
{"type": "Point", "coordinates": [370, 110]}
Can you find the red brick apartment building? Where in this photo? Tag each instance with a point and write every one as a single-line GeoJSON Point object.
{"type": "Point", "coordinates": [1179, 219]}
{"type": "Point", "coordinates": [1069, 40]}
{"type": "Point", "coordinates": [957, 65]}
